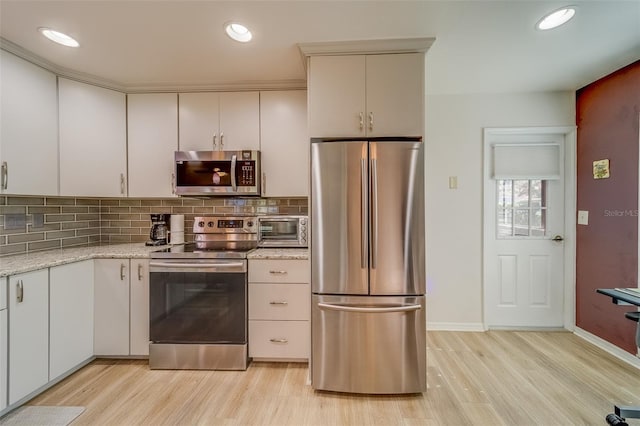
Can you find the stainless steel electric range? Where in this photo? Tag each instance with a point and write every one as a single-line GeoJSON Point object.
{"type": "Point", "coordinates": [198, 297]}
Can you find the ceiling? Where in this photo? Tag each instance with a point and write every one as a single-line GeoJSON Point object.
{"type": "Point", "coordinates": [480, 46]}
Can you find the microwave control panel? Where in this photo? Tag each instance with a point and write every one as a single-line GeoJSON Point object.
{"type": "Point", "coordinates": [246, 173]}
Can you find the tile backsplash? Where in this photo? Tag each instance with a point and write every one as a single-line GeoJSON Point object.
{"type": "Point", "coordinates": [32, 223]}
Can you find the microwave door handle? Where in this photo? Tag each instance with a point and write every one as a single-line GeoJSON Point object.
{"type": "Point", "coordinates": [233, 172]}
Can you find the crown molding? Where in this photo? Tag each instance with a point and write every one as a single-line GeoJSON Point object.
{"type": "Point", "coordinates": [152, 87]}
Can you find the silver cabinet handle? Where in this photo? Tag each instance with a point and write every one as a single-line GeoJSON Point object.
{"type": "Point", "coordinates": [19, 291]}
{"type": "Point", "coordinates": [264, 183]}
{"type": "Point", "coordinates": [215, 140]}
{"type": "Point", "coordinates": [4, 175]}
{"type": "Point", "coordinates": [122, 271]}
{"type": "Point", "coordinates": [349, 308]}
{"type": "Point", "coordinates": [234, 159]}
{"type": "Point", "coordinates": [278, 272]}
{"type": "Point", "coordinates": [361, 121]}
{"type": "Point", "coordinates": [281, 302]}
{"type": "Point", "coordinates": [139, 271]}
{"type": "Point", "coordinates": [278, 340]}
{"type": "Point", "coordinates": [122, 185]}
{"type": "Point", "coordinates": [173, 183]}
{"type": "Point", "coordinates": [370, 121]}
{"type": "Point", "coordinates": [374, 213]}
{"type": "Point", "coordinates": [221, 140]}
{"type": "Point", "coordinates": [363, 213]}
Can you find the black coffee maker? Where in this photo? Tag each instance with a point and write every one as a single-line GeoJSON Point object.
{"type": "Point", "coordinates": [158, 232]}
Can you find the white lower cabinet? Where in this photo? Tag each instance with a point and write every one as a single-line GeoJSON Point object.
{"type": "Point", "coordinates": [70, 317]}
{"type": "Point", "coordinates": [121, 307]}
{"type": "Point", "coordinates": [28, 333]}
{"type": "Point", "coordinates": [3, 343]}
{"type": "Point", "coordinates": [279, 309]}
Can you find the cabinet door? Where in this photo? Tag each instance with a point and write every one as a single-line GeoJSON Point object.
{"type": "Point", "coordinates": [28, 333]}
{"type": "Point", "coordinates": [240, 121]}
{"type": "Point", "coordinates": [336, 87]}
{"type": "Point", "coordinates": [153, 139]}
{"type": "Point", "coordinates": [395, 95]}
{"type": "Point", "coordinates": [111, 307]}
{"type": "Point", "coordinates": [199, 121]}
{"type": "Point", "coordinates": [29, 130]}
{"type": "Point", "coordinates": [3, 358]}
{"type": "Point", "coordinates": [71, 316]}
{"type": "Point", "coordinates": [93, 140]}
{"type": "Point", "coordinates": [284, 143]}
{"type": "Point", "coordinates": [139, 294]}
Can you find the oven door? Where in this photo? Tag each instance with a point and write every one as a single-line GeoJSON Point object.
{"type": "Point", "coordinates": [198, 301]}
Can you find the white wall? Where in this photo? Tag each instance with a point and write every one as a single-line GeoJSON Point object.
{"type": "Point", "coordinates": [454, 216]}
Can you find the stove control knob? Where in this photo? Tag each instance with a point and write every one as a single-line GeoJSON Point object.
{"type": "Point", "coordinates": [201, 224]}
{"type": "Point", "coordinates": [250, 223]}
{"type": "Point", "coordinates": [210, 224]}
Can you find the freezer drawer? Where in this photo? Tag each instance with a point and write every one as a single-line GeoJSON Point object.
{"type": "Point", "coordinates": [364, 344]}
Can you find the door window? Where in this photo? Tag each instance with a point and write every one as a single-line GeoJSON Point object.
{"type": "Point", "coordinates": [522, 208]}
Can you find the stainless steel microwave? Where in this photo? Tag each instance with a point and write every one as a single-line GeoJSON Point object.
{"type": "Point", "coordinates": [282, 231]}
{"type": "Point", "coordinates": [217, 172]}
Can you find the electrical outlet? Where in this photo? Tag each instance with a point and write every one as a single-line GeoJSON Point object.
{"type": "Point", "coordinates": [453, 182]}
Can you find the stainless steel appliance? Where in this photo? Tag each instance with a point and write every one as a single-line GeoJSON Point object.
{"type": "Point", "coordinates": [158, 231]}
{"type": "Point", "coordinates": [217, 172]}
{"type": "Point", "coordinates": [198, 297]}
{"type": "Point", "coordinates": [368, 265]}
{"type": "Point", "coordinates": [282, 231]}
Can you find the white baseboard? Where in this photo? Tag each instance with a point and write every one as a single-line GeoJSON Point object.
{"type": "Point", "coordinates": [455, 326]}
{"type": "Point", "coordinates": [608, 347]}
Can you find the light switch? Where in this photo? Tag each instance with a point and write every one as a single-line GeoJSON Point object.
{"type": "Point", "coordinates": [583, 217]}
{"type": "Point", "coordinates": [453, 182]}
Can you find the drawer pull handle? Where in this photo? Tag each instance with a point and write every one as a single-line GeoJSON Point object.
{"type": "Point", "coordinates": [278, 340]}
{"type": "Point", "coordinates": [281, 302]}
{"type": "Point", "coordinates": [278, 272]}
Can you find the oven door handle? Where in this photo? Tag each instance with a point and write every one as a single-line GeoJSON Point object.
{"type": "Point", "coordinates": [196, 267]}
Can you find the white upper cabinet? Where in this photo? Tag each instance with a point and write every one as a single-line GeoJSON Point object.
{"type": "Point", "coordinates": [153, 139]}
{"type": "Point", "coordinates": [28, 128]}
{"type": "Point", "coordinates": [284, 143]}
{"type": "Point", "coordinates": [366, 95]}
{"type": "Point", "coordinates": [93, 140]}
{"type": "Point", "coordinates": [219, 121]}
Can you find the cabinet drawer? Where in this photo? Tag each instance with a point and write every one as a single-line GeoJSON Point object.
{"type": "Point", "coordinates": [279, 339]}
{"type": "Point", "coordinates": [278, 271]}
{"type": "Point", "coordinates": [279, 301]}
{"type": "Point", "coordinates": [3, 293]}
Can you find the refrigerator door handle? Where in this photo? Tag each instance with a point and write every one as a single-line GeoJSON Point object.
{"type": "Point", "coordinates": [374, 213]}
{"type": "Point", "coordinates": [350, 308]}
{"type": "Point", "coordinates": [363, 213]}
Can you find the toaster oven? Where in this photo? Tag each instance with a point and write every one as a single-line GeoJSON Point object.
{"type": "Point", "coordinates": [282, 231]}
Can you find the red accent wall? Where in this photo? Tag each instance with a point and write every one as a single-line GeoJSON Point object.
{"type": "Point", "coordinates": [607, 115]}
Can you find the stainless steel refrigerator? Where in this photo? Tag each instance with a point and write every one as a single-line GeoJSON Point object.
{"type": "Point", "coordinates": [368, 265]}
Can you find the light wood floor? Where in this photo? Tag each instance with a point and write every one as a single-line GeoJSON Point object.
{"type": "Point", "coordinates": [492, 378]}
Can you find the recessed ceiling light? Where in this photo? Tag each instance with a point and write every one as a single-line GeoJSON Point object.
{"type": "Point", "coordinates": [556, 18]}
{"type": "Point", "coordinates": [58, 37]}
{"type": "Point", "coordinates": [238, 32]}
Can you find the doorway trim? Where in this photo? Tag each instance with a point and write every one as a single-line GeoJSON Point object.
{"type": "Point", "coordinates": [570, 190]}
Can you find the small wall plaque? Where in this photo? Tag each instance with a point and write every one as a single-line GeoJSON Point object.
{"type": "Point", "coordinates": [601, 169]}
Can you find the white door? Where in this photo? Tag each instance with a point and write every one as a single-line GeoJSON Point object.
{"type": "Point", "coordinates": [524, 230]}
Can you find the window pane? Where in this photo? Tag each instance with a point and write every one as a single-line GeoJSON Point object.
{"type": "Point", "coordinates": [536, 193]}
{"type": "Point", "coordinates": [505, 223]}
{"type": "Point", "coordinates": [521, 223]}
{"type": "Point", "coordinates": [505, 193]}
{"type": "Point", "coordinates": [538, 222]}
{"type": "Point", "coordinates": [521, 193]}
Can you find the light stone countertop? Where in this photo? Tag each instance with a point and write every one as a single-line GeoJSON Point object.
{"type": "Point", "coordinates": [17, 264]}
{"type": "Point", "coordinates": [279, 253]}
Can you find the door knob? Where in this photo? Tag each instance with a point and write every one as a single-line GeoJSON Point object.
{"type": "Point", "coordinates": [557, 238]}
